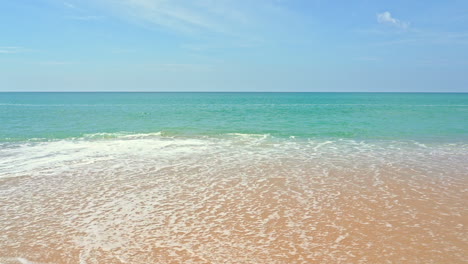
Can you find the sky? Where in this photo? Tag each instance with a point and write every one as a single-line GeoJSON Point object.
{"type": "Point", "coordinates": [234, 45]}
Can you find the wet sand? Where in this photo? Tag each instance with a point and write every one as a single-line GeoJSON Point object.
{"type": "Point", "coordinates": [274, 211]}
{"type": "Point", "coordinates": [158, 200]}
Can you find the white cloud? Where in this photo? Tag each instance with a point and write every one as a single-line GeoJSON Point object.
{"type": "Point", "coordinates": [386, 18]}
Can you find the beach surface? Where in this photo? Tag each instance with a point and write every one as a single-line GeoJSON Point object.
{"type": "Point", "coordinates": [242, 200]}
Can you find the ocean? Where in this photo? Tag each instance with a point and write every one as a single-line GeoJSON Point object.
{"type": "Point", "coordinates": [233, 177]}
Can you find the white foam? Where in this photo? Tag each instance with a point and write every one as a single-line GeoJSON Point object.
{"type": "Point", "coordinates": [122, 135]}
{"type": "Point", "coordinates": [16, 260]}
{"type": "Point", "coordinates": [217, 198]}
{"type": "Point", "coordinates": [23, 157]}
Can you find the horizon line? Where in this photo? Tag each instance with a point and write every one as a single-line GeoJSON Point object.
{"type": "Point", "coordinates": [232, 92]}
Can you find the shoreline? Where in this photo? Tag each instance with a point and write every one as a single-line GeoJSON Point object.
{"type": "Point", "coordinates": [201, 203]}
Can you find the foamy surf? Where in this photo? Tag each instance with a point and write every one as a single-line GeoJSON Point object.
{"type": "Point", "coordinates": [232, 199]}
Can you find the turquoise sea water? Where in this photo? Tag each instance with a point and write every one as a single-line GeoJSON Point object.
{"type": "Point", "coordinates": [374, 116]}
{"type": "Point", "coordinates": [233, 178]}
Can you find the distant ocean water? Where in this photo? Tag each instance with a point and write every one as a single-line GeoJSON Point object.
{"type": "Point", "coordinates": [233, 177]}
{"type": "Point", "coordinates": [360, 116]}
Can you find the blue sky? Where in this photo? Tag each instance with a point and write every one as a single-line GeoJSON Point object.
{"type": "Point", "coordinates": [234, 45]}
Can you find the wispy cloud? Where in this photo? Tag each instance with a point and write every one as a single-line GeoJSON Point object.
{"type": "Point", "coordinates": [85, 18]}
{"type": "Point", "coordinates": [55, 63]}
{"type": "Point", "coordinates": [175, 15]}
{"type": "Point", "coordinates": [227, 17]}
{"type": "Point", "coordinates": [386, 18]}
{"type": "Point", "coordinates": [79, 13]}
{"type": "Point", "coordinates": [411, 36]}
{"type": "Point", "coordinates": [176, 67]}
{"type": "Point", "coordinates": [69, 5]}
{"type": "Point", "coordinates": [11, 50]}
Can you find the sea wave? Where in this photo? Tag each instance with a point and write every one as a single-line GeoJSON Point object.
{"type": "Point", "coordinates": [31, 157]}
{"type": "Point", "coordinates": [123, 135]}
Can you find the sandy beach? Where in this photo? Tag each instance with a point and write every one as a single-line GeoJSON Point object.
{"type": "Point", "coordinates": [227, 204]}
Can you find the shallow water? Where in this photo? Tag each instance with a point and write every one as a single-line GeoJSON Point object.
{"type": "Point", "coordinates": [148, 198]}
